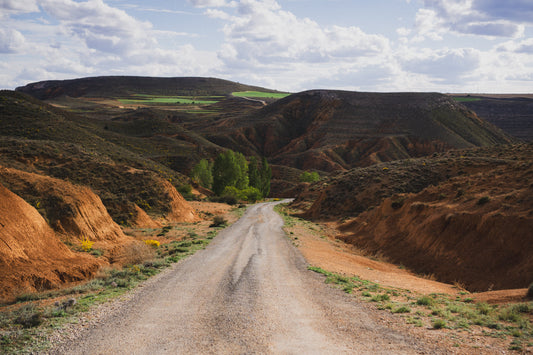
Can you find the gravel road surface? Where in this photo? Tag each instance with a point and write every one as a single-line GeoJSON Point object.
{"type": "Point", "coordinates": [248, 292]}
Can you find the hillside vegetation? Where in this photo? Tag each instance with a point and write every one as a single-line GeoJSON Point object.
{"type": "Point", "coordinates": [335, 131]}
{"type": "Point", "coordinates": [463, 216]}
{"type": "Point", "coordinates": [133, 141]}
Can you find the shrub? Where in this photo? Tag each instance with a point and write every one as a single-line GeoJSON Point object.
{"type": "Point", "coordinates": [530, 291]}
{"type": "Point", "coordinates": [424, 301]}
{"type": "Point", "coordinates": [380, 298]}
{"type": "Point", "coordinates": [152, 243]}
{"type": "Point", "coordinates": [402, 309]}
{"type": "Point", "coordinates": [439, 324]}
{"type": "Point", "coordinates": [86, 244]}
{"type": "Point", "coordinates": [483, 200]}
{"type": "Point", "coordinates": [218, 221]}
{"type": "Point", "coordinates": [135, 253]}
{"type": "Point", "coordinates": [186, 191]}
{"type": "Point", "coordinates": [29, 316]}
{"type": "Point", "coordinates": [483, 308]}
{"type": "Point", "coordinates": [309, 177]}
{"type": "Point", "coordinates": [398, 203]}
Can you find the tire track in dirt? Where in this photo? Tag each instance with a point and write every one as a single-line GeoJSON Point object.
{"type": "Point", "coordinates": [249, 291]}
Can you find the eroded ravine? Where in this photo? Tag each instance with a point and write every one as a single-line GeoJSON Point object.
{"type": "Point", "coordinates": [248, 292]}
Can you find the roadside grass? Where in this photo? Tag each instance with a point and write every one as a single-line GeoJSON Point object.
{"type": "Point", "coordinates": [26, 325]}
{"type": "Point", "coordinates": [457, 314]}
{"type": "Point", "coordinates": [260, 94]}
{"type": "Point", "coordinates": [292, 221]}
{"type": "Point", "coordinates": [440, 311]}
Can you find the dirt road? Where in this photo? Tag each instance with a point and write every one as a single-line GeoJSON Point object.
{"type": "Point", "coordinates": [248, 292]}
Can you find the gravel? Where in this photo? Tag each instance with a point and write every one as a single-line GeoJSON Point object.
{"type": "Point", "coordinates": [248, 292]}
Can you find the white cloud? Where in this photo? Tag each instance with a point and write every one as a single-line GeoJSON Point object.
{"type": "Point", "coordinates": [11, 41]}
{"type": "Point", "coordinates": [492, 18]}
{"type": "Point", "coordinates": [211, 3]}
{"type": "Point", "coordinates": [100, 26]}
{"type": "Point", "coordinates": [525, 46]}
{"type": "Point", "coordinates": [261, 32]}
{"type": "Point", "coordinates": [449, 65]}
{"type": "Point", "coordinates": [23, 6]}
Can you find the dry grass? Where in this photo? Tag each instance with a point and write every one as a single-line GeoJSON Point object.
{"type": "Point", "coordinates": [135, 253]}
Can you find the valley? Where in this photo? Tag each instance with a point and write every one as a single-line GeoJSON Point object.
{"type": "Point", "coordinates": [424, 192]}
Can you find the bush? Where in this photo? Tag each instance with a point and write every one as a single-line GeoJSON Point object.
{"type": "Point", "coordinates": [152, 243]}
{"type": "Point", "coordinates": [29, 316]}
{"type": "Point", "coordinates": [135, 253]}
{"type": "Point", "coordinates": [424, 301]}
{"type": "Point", "coordinates": [483, 200]}
{"type": "Point", "coordinates": [218, 221]}
{"type": "Point", "coordinates": [396, 204]}
{"type": "Point", "coordinates": [309, 177]}
{"type": "Point", "coordinates": [530, 291]}
{"type": "Point", "coordinates": [86, 244]}
{"type": "Point", "coordinates": [250, 194]}
{"type": "Point", "coordinates": [439, 324]}
{"type": "Point", "coordinates": [186, 191]}
{"type": "Point", "coordinates": [402, 309]}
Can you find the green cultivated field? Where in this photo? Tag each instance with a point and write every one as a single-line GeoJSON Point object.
{"type": "Point", "coordinates": [260, 94]}
{"type": "Point", "coordinates": [466, 99]}
{"type": "Point", "coordinates": [169, 100]}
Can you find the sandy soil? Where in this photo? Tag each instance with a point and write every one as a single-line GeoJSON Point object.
{"type": "Point", "coordinates": [335, 256]}
{"type": "Point", "coordinates": [321, 249]}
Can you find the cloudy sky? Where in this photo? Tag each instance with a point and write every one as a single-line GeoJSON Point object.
{"type": "Point", "coordinates": [292, 45]}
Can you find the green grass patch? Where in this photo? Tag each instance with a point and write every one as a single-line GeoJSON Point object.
{"type": "Point", "coordinates": [171, 100]}
{"type": "Point", "coordinates": [466, 99]}
{"type": "Point", "coordinates": [439, 311]}
{"type": "Point", "coordinates": [260, 94]}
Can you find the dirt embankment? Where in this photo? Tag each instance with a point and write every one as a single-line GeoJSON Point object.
{"type": "Point", "coordinates": [53, 214]}
{"type": "Point", "coordinates": [73, 211]}
{"type": "Point", "coordinates": [32, 257]}
{"type": "Point", "coordinates": [179, 209]}
{"type": "Point", "coordinates": [475, 230]}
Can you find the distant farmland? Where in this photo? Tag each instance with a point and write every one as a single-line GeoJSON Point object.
{"type": "Point", "coordinates": [171, 100]}
{"type": "Point", "coordinates": [261, 95]}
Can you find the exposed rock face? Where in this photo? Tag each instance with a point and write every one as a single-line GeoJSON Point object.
{"type": "Point", "coordinates": [32, 258]}
{"type": "Point", "coordinates": [142, 220]}
{"type": "Point", "coordinates": [512, 113]}
{"type": "Point", "coordinates": [338, 130]}
{"type": "Point", "coordinates": [474, 229]}
{"type": "Point", "coordinates": [72, 210]}
{"type": "Point", "coordinates": [179, 208]}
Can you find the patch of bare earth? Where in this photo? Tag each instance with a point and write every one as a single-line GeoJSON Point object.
{"type": "Point", "coordinates": [319, 247]}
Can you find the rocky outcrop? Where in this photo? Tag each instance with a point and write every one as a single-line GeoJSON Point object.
{"type": "Point", "coordinates": [473, 229]}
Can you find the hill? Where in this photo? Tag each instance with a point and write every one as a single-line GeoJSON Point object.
{"type": "Point", "coordinates": [124, 86]}
{"type": "Point", "coordinates": [401, 169]}
{"type": "Point", "coordinates": [337, 130]}
{"type": "Point", "coordinates": [39, 138]}
{"type": "Point", "coordinates": [512, 113]}
{"type": "Point", "coordinates": [462, 216]}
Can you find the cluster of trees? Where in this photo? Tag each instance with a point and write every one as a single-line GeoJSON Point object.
{"type": "Point", "coordinates": [232, 175]}
{"type": "Point", "coordinates": [309, 177]}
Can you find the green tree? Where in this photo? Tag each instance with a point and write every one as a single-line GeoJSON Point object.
{"type": "Point", "coordinates": [265, 177]}
{"type": "Point", "coordinates": [309, 177]}
{"type": "Point", "coordinates": [230, 169]}
{"type": "Point", "coordinates": [202, 173]}
{"type": "Point", "coordinates": [224, 171]}
{"type": "Point", "coordinates": [254, 175]}
{"type": "Point", "coordinates": [242, 171]}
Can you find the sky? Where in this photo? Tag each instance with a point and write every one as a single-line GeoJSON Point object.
{"type": "Point", "coordinates": [459, 46]}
